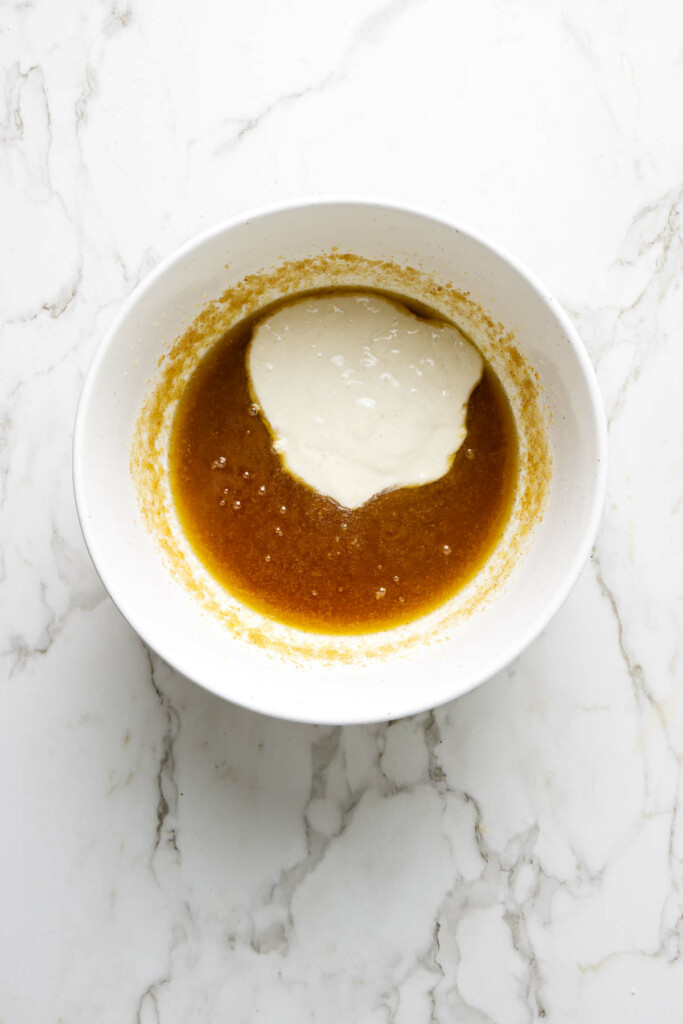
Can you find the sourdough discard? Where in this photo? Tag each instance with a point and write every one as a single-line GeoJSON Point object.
{"type": "Point", "coordinates": [360, 394]}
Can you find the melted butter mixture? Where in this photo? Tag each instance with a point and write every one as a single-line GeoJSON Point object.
{"type": "Point", "coordinates": [295, 554]}
{"type": "Point", "coordinates": [361, 394]}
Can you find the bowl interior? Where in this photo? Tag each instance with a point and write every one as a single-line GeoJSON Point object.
{"type": "Point", "coordinates": [161, 609]}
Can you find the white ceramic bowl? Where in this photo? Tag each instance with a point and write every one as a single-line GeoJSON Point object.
{"type": "Point", "coordinates": [164, 612]}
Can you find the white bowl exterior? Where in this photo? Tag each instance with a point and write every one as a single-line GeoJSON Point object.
{"type": "Point", "coordinates": [163, 611]}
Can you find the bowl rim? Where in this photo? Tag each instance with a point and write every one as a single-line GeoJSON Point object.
{"type": "Point", "coordinates": [582, 549]}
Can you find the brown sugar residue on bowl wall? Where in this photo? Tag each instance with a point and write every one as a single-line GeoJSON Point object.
{"type": "Point", "coordinates": [152, 471]}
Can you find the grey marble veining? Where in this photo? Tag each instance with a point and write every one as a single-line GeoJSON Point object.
{"type": "Point", "coordinates": [512, 857]}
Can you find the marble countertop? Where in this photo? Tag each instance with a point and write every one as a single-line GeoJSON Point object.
{"type": "Point", "coordinates": [516, 855]}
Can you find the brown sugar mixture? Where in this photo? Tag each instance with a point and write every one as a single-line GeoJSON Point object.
{"type": "Point", "coordinates": [295, 555]}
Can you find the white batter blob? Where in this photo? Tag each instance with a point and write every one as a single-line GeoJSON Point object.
{"type": "Point", "coordinates": [360, 394]}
